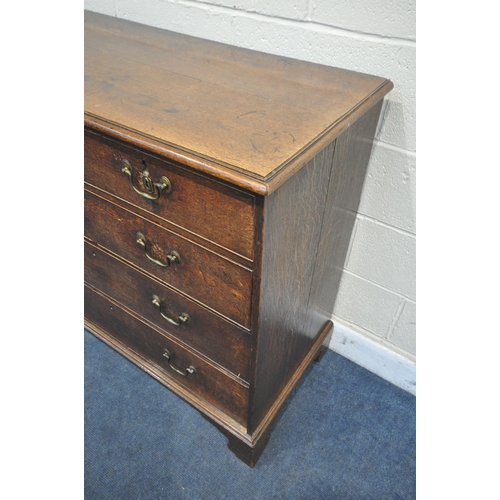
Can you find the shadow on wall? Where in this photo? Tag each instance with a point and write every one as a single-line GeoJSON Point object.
{"type": "Point", "coordinates": [351, 157]}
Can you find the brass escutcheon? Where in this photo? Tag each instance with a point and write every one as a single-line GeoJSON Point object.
{"type": "Point", "coordinates": [153, 188]}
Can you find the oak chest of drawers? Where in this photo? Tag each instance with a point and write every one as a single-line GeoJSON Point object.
{"type": "Point", "coordinates": [221, 188]}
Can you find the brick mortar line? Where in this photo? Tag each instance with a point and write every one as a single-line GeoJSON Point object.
{"type": "Point", "coordinates": [378, 285]}
{"type": "Point", "coordinates": [386, 225]}
{"type": "Point", "coordinates": [395, 320]}
{"type": "Point", "coordinates": [351, 242]}
{"type": "Point", "coordinates": [358, 35]}
{"type": "Point", "coordinates": [361, 216]}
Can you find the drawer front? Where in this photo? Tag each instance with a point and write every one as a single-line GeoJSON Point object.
{"type": "Point", "coordinates": [207, 333]}
{"type": "Point", "coordinates": [203, 275]}
{"type": "Point", "coordinates": [207, 381]}
{"type": "Point", "coordinates": [207, 208]}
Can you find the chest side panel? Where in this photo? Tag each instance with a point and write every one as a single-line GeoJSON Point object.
{"type": "Point", "coordinates": [352, 153]}
{"type": "Point", "coordinates": [293, 217]}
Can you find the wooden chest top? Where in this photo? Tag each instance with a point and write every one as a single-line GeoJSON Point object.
{"type": "Point", "coordinates": [245, 117]}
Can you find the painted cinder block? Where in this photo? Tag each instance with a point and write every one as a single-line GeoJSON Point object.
{"type": "Point", "coordinates": [404, 333]}
{"type": "Point", "coordinates": [385, 256]}
{"type": "Point", "coordinates": [389, 192]}
{"type": "Point", "coordinates": [291, 9]}
{"type": "Point", "coordinates": [102, 6]}
{"type": "Point", "coordinates": [323, 45]}
{"type": "Point", "coordinates": [398, 125]}
{"type": "Point", "coordinates": [366, 305]}
{"type": "Point", "coordinates": [394, 18]}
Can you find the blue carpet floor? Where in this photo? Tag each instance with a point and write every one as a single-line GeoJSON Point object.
{"type": "Point", "coordinates": [343, 434]}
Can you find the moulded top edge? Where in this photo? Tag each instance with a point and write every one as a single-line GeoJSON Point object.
{"type": "Point", "coordinates": [242, 116]}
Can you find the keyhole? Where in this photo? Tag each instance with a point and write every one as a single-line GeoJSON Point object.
{"type": "Point", "coordinates": [146, 180]}
{"type": "Point", "coordinates": [147, 183]}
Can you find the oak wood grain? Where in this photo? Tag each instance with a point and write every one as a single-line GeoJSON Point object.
{"type": "Point", "coordinates": [206, 277]}
{"type": "Point", "coordinates": [215, 211]}
{"type": "Point", "coordinates": [241, 110]}
{"type": "Point", "coordinates": [207, 382]}
{"type": "Point", "coordinates": [293, 217]}
{"type": "Point", "coordinates": [209, 334]}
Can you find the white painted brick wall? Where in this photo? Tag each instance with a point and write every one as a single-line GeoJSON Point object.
{"type": "Point", "coordinates": [291, 9]}
{"type": "Point", "coordinates": [102, 6]}
{"type": "Point", "coordinates": [388, 18]}
{"type": "Point", "coordinates": [384, 256]}
{"type": "Point", "coordinates": [365, 306]}
{"type": "Point", "coordinates": [377, 297]}
{"type": "Point", "coordinates": [392, 172]}
{"type": "Point", "coordinates": [403, 334]}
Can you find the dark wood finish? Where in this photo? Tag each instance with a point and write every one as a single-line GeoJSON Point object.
{"type": "Point", "coordinates": [259, 431]}
{"type": "Point", "coordinates": [245, 449]}
{"type": "Point", "coordinates": [204, 276]}
{"type": "Point", "coordinates": [249, 446]}
{"type": "Point", "coordinates": [207, 333]}
{"type": "Point", "coordinates": [267, 158]}
{"type": "Point", "coordinates": [210, 209]}
{"type": "Point", "coordinates": [292, 227]}
{"type": "Point", "coordinates": [324, 347]}
{"type": "Point", "coordinates": [208, 382]}
{"type": "Point", "coordinates": [246, 453]}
